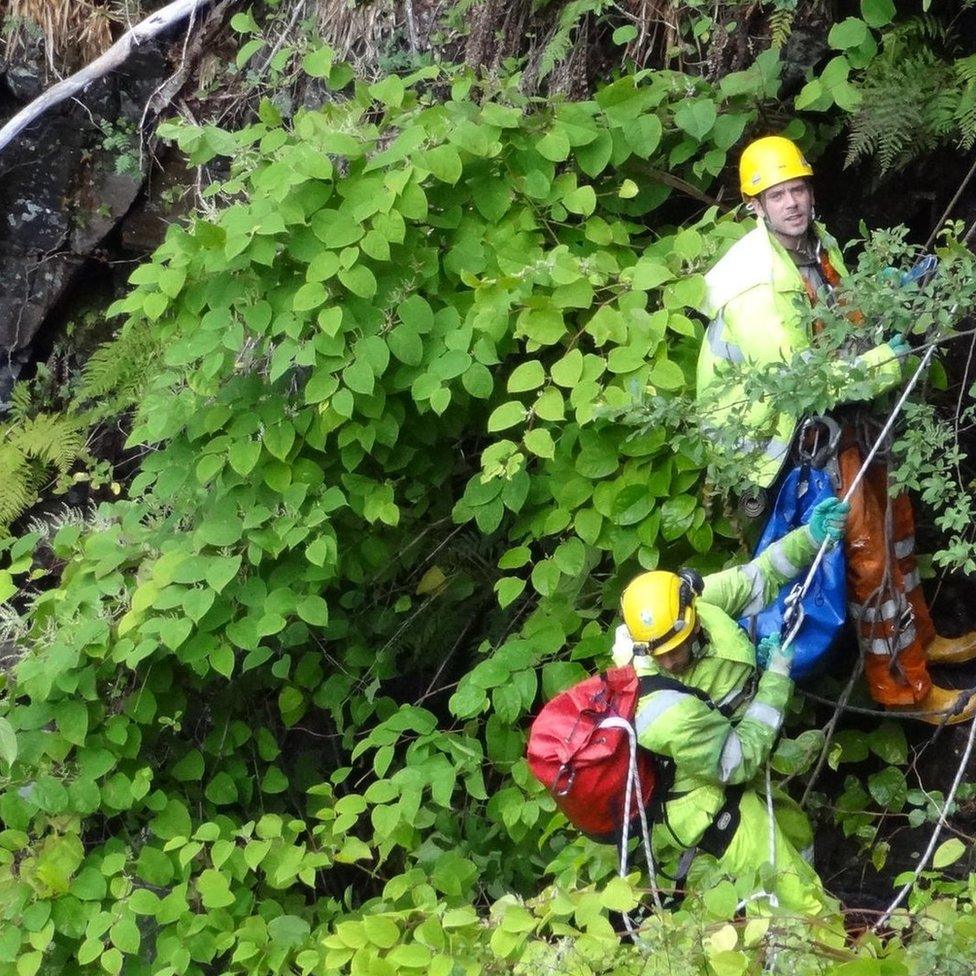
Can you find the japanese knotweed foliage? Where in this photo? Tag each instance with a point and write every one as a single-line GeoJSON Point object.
{"type": "Point", "coordinates": [271, 717]}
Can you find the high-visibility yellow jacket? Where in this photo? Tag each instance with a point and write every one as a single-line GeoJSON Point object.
{"type": "Point", "coordinates": [755, 301]}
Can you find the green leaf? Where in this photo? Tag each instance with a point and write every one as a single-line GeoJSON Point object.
{"type": "Point", "coordinates": [388, 90]}
{"type": "Point", "coordinates": [444, 163]}
{"type": "Point", "coordinates": [309, 296]}
{"type": "Point", "coordinates": [850, 32]}
{"type": "Point", "coordinates": [889, 788]}
{"type": "Point", "coordinates": [667, 375]}
{"type": "Point", "coordinates": [359, 280]}
{"type": "Point", "coordinates": [554, 145]}
{"type": "Point", "coordinates": [221, 570]}
{"type": "Point", "coordinates": [582, 200]}
{"type": "Point", "coordinates": [8, 742]}
{"type": "Point", "coordinates": [624, 35]}
{"type": "Point", "coordinates": [539, 442]}
{"type": "Point", "coordinates": [527, 376]}
{"type": "Point", "coordinates": [8, 587]}
{"type": "Point", "coordinates": [508, 589]}
{"type": "Point", "coordinates": [696, 117]}
{"type": "Point", "coordinates": [318, 63]}
{"type": "Point", "coordinates": [313, 610]}
{"type": "Point", "coordinates": [507, 415]}
{"type": "Point", "coordinates": [243, 455]}
{"type": "Point", "coordinates": [878, 13]}
{"type": "Point", "coordinates": [948, 853]}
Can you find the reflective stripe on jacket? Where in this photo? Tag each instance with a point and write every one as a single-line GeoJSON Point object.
{"type": "Point", "coordinates": [711, 751]}
{"type": "Point", "coordinates": [756, 300]}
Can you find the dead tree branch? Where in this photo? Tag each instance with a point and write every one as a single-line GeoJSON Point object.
{"type": "Point", "coordinates": [115, 56]}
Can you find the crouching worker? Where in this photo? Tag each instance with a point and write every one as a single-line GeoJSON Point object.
{"type": "Point", "coordinates": [705, 711]}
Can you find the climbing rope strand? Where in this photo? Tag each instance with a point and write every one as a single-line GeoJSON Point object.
{"type": "Point", "coordinates": [933, 840]}
{"type": "Point", "coordinates": [634, 788]}
{"type": "Point", "coordinates": [771, 817]}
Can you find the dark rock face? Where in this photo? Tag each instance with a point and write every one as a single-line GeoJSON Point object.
{"type": "Point", "coordinates": [65, 183]}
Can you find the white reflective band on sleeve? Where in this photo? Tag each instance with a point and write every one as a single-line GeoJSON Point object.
{"type": "Point", "coordinates": [774, 448]}
{"type": "Point", "coordinates": [872, 615]}
{"type": "Point", "coordinates": [904, 547]}
{"type": "Point", "coordinates": [764, 713]}
{"type": "Point", "coordinates": [721, 349]}
{"type": "Point", "coordinates": [781, 562]}
{"type": "Point", "coordinates": [654, 706]}
{"type": "Point", "coordinates": [756, 602]}
{"type": "Point", "coordinates": [886, 646]}
{"type": "Point", "coordinates": [912, 580]}
{"type": "Point", "coordinates": [731, 758]}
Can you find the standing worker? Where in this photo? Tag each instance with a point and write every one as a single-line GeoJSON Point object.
{"type": "Point", "coordinates": [755, 300]}
{"type": "Point", "coordinates": [706, 718]}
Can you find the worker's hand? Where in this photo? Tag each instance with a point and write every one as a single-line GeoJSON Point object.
{"type": "Point", "coordinates": [779, 659]}
{"type": "Point", "coordinates": [827, 520]}
{"type": "Point", "coordinates": [899, 346]}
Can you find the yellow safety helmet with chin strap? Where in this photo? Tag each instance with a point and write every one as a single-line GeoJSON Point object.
{"type": "Point", "coordinates": [659, 608]}
{"type": "Point", "coordinates": [768, 161]}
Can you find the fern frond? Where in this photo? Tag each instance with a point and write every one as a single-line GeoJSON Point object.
{"type": "Point", "coordinates": [560, 43]}
{"type": "Point", "coordinates": [52, 439]}
{"type": "Point", "coordinates": [119, 370]}
{"type": "Point", "coordinates": [781, 25]}
{"type": "Point", "coordinates": [20, 401]}
{"type": "Point", "coordinates": [965, 69]}
{"type": "Point", "coordinates": [908, 106]}
{"type": "Point", "coordinates": [17, 490]}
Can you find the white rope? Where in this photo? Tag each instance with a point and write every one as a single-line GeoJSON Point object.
{"type": "Point", "coordinates": [770, 815]}
{"type": "Point", "coordinates": [634, 786]}
{"type": "Point", "coordinates": [940, 823]}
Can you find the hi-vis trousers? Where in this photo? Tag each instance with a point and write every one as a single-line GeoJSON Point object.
{"type": "Point", "coordinates": [884, 594]}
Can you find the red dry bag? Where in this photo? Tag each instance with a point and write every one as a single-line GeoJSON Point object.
{"type": "Point", "coordinates": [584, 766]}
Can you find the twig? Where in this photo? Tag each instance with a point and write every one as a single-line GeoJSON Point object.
{"type": "Point", "coordinates": [829, 729]}
{"type": "Point", "coordinates": [933, 840]}
{"type": "Point", "coordinates": [952, 203]}
{"type": "Point", "coordinates": [281, 37]}
{"type": "Point", "coordinates": [411, 26]}
{"type": "Point", "coordinates": [883, 713]}
{"type": "Point", "coordinates": [115, 56]}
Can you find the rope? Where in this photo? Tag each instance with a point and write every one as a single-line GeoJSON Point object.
{"type": "Point", "coordinates": [634, 785]}
{"type": "Point", "coordinates": [943, 814]}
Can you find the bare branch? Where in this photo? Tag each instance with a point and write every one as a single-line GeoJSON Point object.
{"type": "Point", "coordinates": [115, 56]}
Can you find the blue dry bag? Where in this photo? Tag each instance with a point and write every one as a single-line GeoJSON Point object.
{"type": "Point", "coordinates": [824, 606]}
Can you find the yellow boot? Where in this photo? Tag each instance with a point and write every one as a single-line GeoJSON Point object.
{"type": "Point", "coordinates": [960, 706]}
{"type": "Point", "coordinates": [952, 650]}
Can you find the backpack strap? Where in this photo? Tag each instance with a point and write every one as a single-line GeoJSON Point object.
{"type": "Point", "coordinates": [649, 683]}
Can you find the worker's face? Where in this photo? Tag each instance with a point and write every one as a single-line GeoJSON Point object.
{"type": "Point", "coordinates": [677, 660]}
{"type": "Point", "coordinates": [787, 208]}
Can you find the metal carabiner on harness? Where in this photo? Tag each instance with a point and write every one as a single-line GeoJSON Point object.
{"type": "Point", "coordinates": [824, 446]}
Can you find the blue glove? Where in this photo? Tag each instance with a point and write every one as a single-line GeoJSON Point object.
{"type": "Point", "coordinates": [771, 655]}
{"type": "Point", "coordinates": [827, 520]}
{"type": "Point", "coordinates": [921, 271]}
{"type": "Point", "coordinates": [899, 346]}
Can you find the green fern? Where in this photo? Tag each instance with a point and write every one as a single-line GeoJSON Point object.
{"type": "Point", "coordinates": [913, 98]}
{"type": "Point", "coordinates": [561, 42]}
{"type": "Point", "coordinates": [781, 25]}
{"type": "Point", "coordinates": [117, 371]}
{"type": "Point", "coordinates": [33, 449]}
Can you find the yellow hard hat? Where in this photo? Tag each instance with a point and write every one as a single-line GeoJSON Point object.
{"type": "Point", "coordinates": [768, 161]}
{"type": "Point", "coordinates": [659, 608]}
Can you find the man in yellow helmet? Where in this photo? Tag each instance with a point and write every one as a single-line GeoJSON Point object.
{"type": "Point", "coordinates": [706, 719]}
{"type": "Point", "coordinates": [755, 301]}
